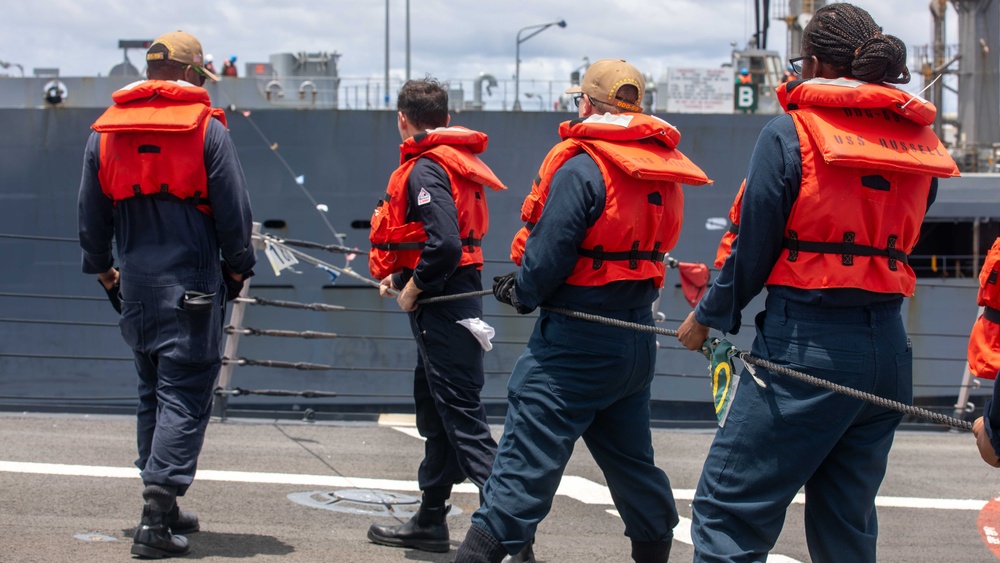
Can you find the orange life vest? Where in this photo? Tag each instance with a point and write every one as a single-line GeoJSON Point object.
{"type": "Point", "coordinates": [868, 157]}
{"type": "Point", "coordinates": [726, 244]}
{"type": "Point", "coordinates": [153, 142]}
{"type": "Point", "coordinates": [396, 243]}
{"type": "Point", "coordinates": [642, 171]}
{"type": "Point", "coordinates": [984, 342]}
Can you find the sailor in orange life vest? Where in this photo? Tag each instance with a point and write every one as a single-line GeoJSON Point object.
{"type": "Point", "coordinates": [984, 355]}
{"type": "Point", "coordinates": [172, 290]}
{"type": "Point", "coordinates": [426, 236]}
{"type": "Point", "coordinates": [726, 244]}
{"type": "Point", "coordinates": [605, 207]}
{"type": "Point", "coordinates": [835, 194]}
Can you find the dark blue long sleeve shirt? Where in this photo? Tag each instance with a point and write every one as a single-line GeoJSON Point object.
{"type": "Point", "coordinates": [576, 200]}
{"type": "Point", "coordinates": [168, 236]}
{"type": "Point", "coordinates": [773, 181]}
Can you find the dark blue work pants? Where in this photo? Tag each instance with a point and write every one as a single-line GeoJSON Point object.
{"type": "Point", "coordinates": [793, 434]}
{"type": "Point", "coordinates": [178, 356]}
{"type": "Point", "coordinates": [447, 382]}
{"type": "Point", "coordinates": [578, 378]}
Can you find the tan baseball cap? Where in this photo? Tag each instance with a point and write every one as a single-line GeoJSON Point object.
{"type": "Point", "coordinates": [603, 79]}
{"type": "Point", "coordinates": [181, 47]}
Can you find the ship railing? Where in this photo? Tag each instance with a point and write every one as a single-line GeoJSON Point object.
{"type": "Point", "coordinates": [69, 397]}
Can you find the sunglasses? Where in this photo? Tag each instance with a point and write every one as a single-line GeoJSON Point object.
{"type": "Point", "coordinates": [576, 99]}
{"type": "Point", "coordinates": [796, 64]}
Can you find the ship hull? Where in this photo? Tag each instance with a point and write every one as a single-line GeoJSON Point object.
{"type": "Point", "coordinates": [344, 159]}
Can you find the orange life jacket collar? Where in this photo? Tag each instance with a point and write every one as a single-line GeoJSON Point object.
{"type": "Point", "coordinates": [474, 141]}
{"type": "Point", "coordinates": [847, 92]}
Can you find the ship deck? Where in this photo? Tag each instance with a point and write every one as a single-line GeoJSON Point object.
{"type": "Point", "coordinates": [72, 494]}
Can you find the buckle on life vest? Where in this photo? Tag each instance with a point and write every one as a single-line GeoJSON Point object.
{"type": "Point", "coordinates": [992, 278]}
{"type": "Point", "coordinates": [633, 256]}
{"type": "Point", "coordinates": [792, 244]}
{"type": "Point", "coordinates": [890, 248]}
{"type": "Point", "coordinates": [472, 242]}
{"type": "Point", "coordinates": [597, 256]}
{"type": "Point", "coordinates": [847, 258]}
{"type": "Point", "coordinates": [529, 225]}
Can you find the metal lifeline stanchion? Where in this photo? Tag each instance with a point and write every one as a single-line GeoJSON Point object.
{"type": "Point", "coordinates": [232, 341]}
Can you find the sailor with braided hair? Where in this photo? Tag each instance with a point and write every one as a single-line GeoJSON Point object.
{"type": "Point", "coordinates": [835, 194]}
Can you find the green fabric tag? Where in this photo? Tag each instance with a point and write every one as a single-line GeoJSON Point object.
{"type": "Point", "coordinates": [725, 380]}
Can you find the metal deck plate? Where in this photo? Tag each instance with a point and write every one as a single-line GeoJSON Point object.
{"type": "Point", "coordinates": [366, 502]}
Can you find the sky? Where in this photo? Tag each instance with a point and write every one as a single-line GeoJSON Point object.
{"type": "Point", "coordinates": [449, 39]}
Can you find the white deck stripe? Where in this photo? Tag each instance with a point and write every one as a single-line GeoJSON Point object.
{"type": "Point", "coordinates": [578, 488]}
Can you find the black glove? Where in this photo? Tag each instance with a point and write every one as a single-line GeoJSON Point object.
{"type": "Point", "coordinates": [113, 297]}
{"type": "Point", "coordinates": [503, 288]}
{"type": "Point", "coordinates": [233, 287]}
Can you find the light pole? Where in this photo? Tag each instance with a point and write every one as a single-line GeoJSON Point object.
{"type": "Point", "coordinates": [517, 54]}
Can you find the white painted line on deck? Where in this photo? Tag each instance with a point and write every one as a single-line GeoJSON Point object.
{"type": "Point", "coordinates": [578, 488]}
{"type": "Point", "coordinates": [409, 431]}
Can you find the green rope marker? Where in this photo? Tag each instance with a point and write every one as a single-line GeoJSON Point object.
{"type": "Point", "coordinates": [725, 380]}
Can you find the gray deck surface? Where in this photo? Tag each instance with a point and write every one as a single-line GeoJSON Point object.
{"type": "Point", "coordinates": [250, 467]}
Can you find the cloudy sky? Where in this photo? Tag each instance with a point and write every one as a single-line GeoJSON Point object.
{"type": "Point", "coordinates": [449, 39]}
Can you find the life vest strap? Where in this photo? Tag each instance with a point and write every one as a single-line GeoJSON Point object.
{"type": "Point", "coordinates": [847, 249]}
{"type": "Point", "coordinates": [991, 314]}
{"type": "Point", "coordinates": [529, 225]}
{"type": "Point", "coordinates": [472, 242]}
{"type": "Point", "coordinates": [598, 255]}
{"type": "Point", "coordinates": [165, 195]}
{"type": "Point", "coordinates": [734, 228]}
{"type": "Point", "coordinates": [398, 245]}
{"type": "Point", "coordinates": [467, 241]}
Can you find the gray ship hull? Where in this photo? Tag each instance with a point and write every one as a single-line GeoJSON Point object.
{"type": "Point", "coordinates": [345, 158]}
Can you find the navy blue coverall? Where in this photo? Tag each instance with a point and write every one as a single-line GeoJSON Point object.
{"type": "Point", "coordinates": [793, 434]}
{"type": "Point", "coordinates": [577, 378]}
{"type": "Point", "coordinates": [165, 248]}
{"type": "Point", "coordinates": [448, 378]}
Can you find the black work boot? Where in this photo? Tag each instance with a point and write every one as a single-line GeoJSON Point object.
{"type": "Point", "coordinates": [182, 522]}
{"type": "Point", "coordinates": [651, 551]}
{"type": "Point", "coordinates": [427, 530]}
{"type": "Point", "coordinates": [153, 539]}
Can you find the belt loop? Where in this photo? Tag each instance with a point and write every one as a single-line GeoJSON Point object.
{"type": "Point", "coordinates": [781, 310]}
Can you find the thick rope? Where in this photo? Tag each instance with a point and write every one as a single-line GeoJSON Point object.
{"type": "Point", "coordinates": [746, 357]}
